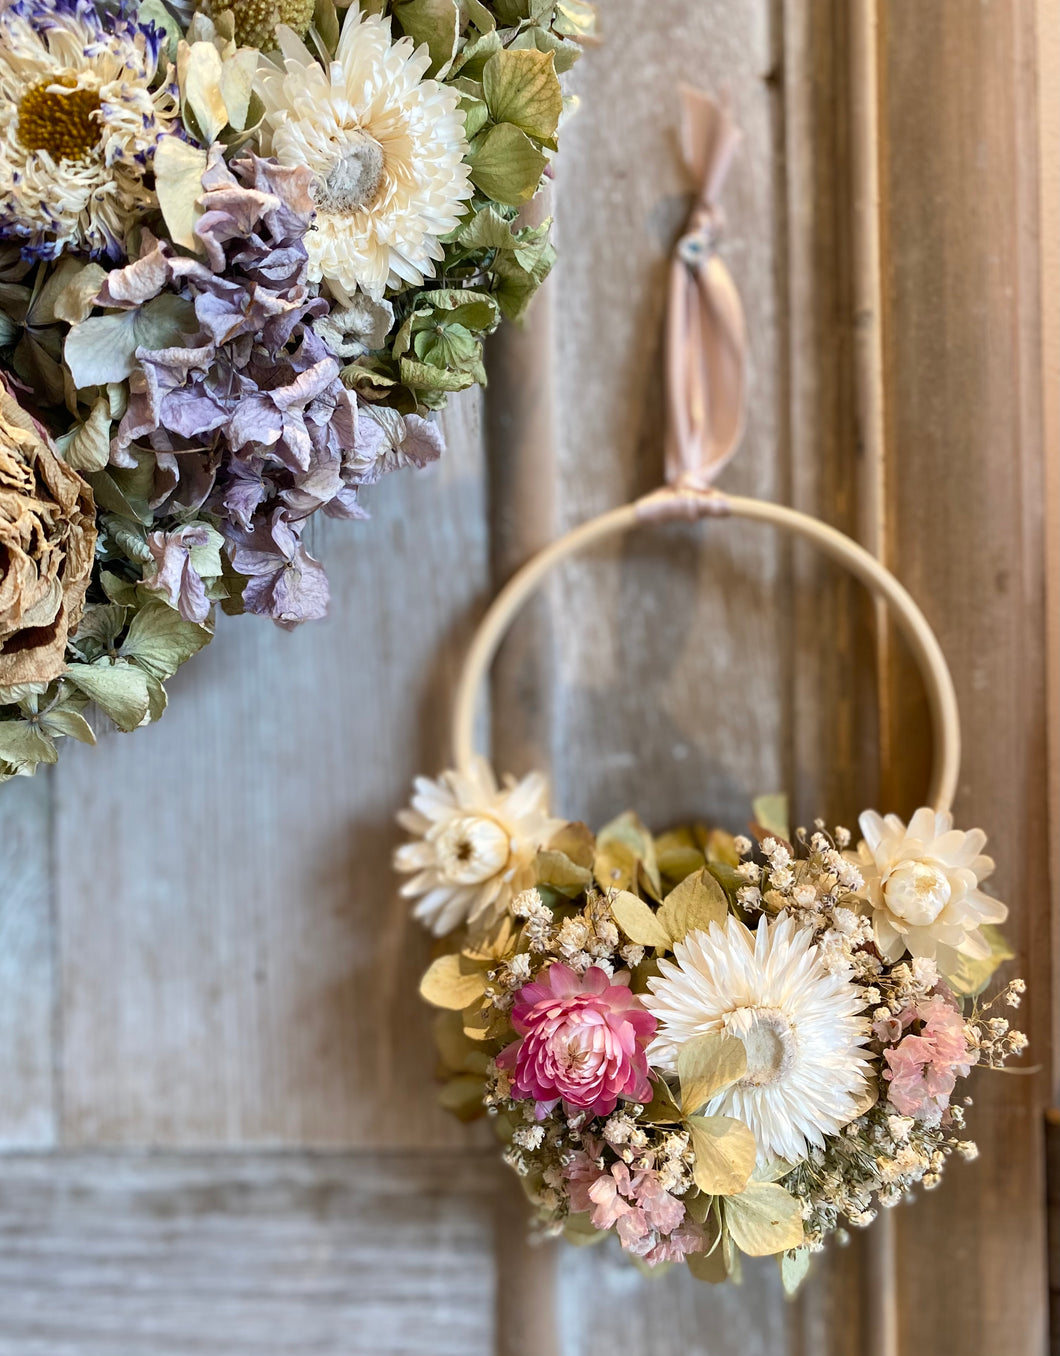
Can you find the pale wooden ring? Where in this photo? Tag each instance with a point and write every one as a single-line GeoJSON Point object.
{"type": "Point", "coordinates": [945, 716]}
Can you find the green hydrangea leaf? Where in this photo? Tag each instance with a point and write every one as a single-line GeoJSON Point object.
{"type": "Point", "coordinates": [575, 19]}
{"type": "Point", "coordinates": [102, 348]}
{"type": "Point", "coordinates": [555, 869]}
{"type": "Point", "coordinates": [64, 721]}
{"type": "Point", "coordinates": [118, 689]}
{"type": "Point", "coordinates": [25, 745]}
{"type": "Point", "coordinates": [638, 920]}
{"type": "Point", "coordinates": [471, 62]}
{"type": "Point", "coordinates": [970, 976]}
{"type": "Point", "coordinates": [160, 640]}
{"type": "Point", "coordinates": [435, 22]}
{"type": "Point", "coordinates": [521, 88]}
{"type": "Point", "coordinates": [422, 376]}
{"type": "Point", "coordinates": [771, 814]}
{"type": "Point", "coordinates": [794, 1264]}
{"type": "Point", "coordinates": [764, 1219]}
{"type": "Point", "coordinates": [506, 165]}
{"type": "Point", "coordinates": [449, 983]}
{"type": "Point", "coordinates": [179, 167]}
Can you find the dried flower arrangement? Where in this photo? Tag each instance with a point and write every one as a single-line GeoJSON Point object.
{"type": "Point", "coordinates": [704, 1044]}
{"type": "Point", "coordinates": [246, 249]}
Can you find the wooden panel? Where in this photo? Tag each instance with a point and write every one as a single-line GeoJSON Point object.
{"type": "Point", "coordinates": [27, 1076]}
{"type": "Point", "coordinates": [236, 967]}
{"type": "Point", "coordinates": [245, 1255]}
{"type": "Point", "coordinates": [964, 511]}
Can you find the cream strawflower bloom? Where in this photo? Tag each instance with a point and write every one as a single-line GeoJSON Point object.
{"type": "Point", "coordinates": [79, 123]}
{"type": "Point", "coordinates": [799, 1022]}
{"type": "Point", "coordinates": [921, 887]}
{"type": "Point", "coordinates": [474, 844]}
{"type": "Point", "coordinates": [386, 148]}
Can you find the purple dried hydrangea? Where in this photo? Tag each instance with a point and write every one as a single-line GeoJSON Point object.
{"type": "Point", "coordinates": [248, 419]}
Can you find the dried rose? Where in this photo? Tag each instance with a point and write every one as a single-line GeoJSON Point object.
{"type": "Point", "coordinates": [47, 543]}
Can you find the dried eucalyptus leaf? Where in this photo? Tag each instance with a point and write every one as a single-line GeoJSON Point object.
{"type": "Point", "coordinates": [705, 1065]}
{"type": "Point", "coordinates": [638, 921]}
{"type": "Point", "coordinates": [764, 1219]}
{"type": "Point", "coordinates": [794, 1264]}
{"type": "Point", "coordinates": [725, 1156]}
{"type": "Point", "coordinates": [771, 814]}
{"type": "Point", "coordinates": [558, 871]}
{"type": "Point", "coordinates": [696, 903]}
{"type": "Point", "coordinates": [521, 88]}
{"type": "Point", "coordinates": [970, 976]}
{"type": "Point", "coordinates": [448, 985]}
{"type": "Point", "coordinates": [576, 841]}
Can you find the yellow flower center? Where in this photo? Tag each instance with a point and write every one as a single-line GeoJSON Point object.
{"type": "Point", "coordinates": [63, 124]}
{"type": "Point", "coordinates": [917, 892]}
{"type": "Point", "coordinates": [473, 849]}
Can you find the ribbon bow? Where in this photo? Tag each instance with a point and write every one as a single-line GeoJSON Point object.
{"type": "Point", "coordinates": [706, 340]}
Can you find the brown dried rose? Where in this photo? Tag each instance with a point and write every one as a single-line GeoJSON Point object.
{"type": "Point", "coordinates": [47, 544]}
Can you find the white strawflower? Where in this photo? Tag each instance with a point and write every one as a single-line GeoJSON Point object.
{"type": "Point", "coordinates": [806, 1072]}
{"type": "Point", "coordinates": [921, 887]}
{"type": "Point", "coordinates": [474, 844]}
{"type": "Point", "coordinates": [79, 123]}
{"type": "Point", "coordinates": [386, 148]}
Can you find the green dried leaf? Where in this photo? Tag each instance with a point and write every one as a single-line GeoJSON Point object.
{"type": "Point", "coordinates": [764, 1219]}
{"type": "Point", "coordinates": [622, 847]}
{"type": "Point", "coordinates": [794, 1264]}
{"type": "Point", "coordinates": [708, 1266]}
{"type": "Point", "coordinates": [60, 721]}
{"type": "Point", "coordinates": [638, 921]}
{"type": "Point", "coordinates": [179, 167]}
{"type": "Point", "coordinates": [24, 745]}
{"type": "Point", "coordinates": [434, 22]}
{"type": "Point", "coordinates": [448, 983]}
{"type": "Point", "coordinates": [725, 1155]}
{"type": "Point", "coordinates": [662, 1109]}
{"type": "Point", "coordinates": [199, 76]}
{"type": "Point", "coordinates": [506, 165]}
{"type": "Point", "coordinates": [424, 377]}
{"type": "Point", "coordinates": [87, 447]}
{"type": "Point", "coordinates": [971, 976]}
{"type": "Point", "coordinates": [521, 88]}
{"type": "Point", "coordinates": [576, 841]}
{"type": "Point", "coordinates": [696, 903]}
{"type": "Point", "coordinates": [119, 689]}
{"type": "Point", "coordinates": [160, 640]}
{"type": "Point", "coordinates": [558, 871]}
{"type": "Point", "coordinates": [771, 814]}
{"type": "Point", "coordinates": [102, 348]}
{"type": "Point", "coordinates": [580, 1230]}
{"type": "Point", "coordinates": [463, 1096]}
{"type": "Point", "coordinates": [705, 1065]}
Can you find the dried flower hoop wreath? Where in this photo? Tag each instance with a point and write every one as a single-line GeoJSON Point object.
{"type": "Point", "coordinates": [707, 1045]}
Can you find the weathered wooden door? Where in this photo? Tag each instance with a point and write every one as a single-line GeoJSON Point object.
{"type": "Point", "coordinates": [218, 1126]}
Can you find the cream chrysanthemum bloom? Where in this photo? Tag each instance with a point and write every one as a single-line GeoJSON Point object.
{"type": "Point", "coordinates": [922, 887]}
{"type": "Point", "coordinates": [386, 148]}
{"type": "Point", "coordinates": [79, 123]}
{"type": "Point", "coordinates": [474, 844]}
{"type": "Point", "coordinates": [806, 1072]}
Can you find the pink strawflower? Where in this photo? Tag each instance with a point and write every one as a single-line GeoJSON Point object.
{"type": "Point", "coordinates": [923, 1068]}
{"type": "Point", "coordinates": [582, 1042]}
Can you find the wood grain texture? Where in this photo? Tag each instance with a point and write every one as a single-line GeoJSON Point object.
{"type": "Point", "coordinates": [236, 967]}
{"type": "Point", "coordinates": [965, 524]}
{"type": "Point", "coordinates": [246, 1255]}
{"type": "Point", "coordinates": [27, 996]}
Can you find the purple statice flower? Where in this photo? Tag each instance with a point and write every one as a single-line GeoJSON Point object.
{"type": "Point", "coordinates": [248, 418]}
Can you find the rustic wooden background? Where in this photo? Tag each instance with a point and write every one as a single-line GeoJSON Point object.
{"type": "Point", "coordinates": [217, 1123]}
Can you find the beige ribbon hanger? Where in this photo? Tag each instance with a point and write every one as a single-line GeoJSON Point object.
{"type": "Point", "coordinates": [706, 334]}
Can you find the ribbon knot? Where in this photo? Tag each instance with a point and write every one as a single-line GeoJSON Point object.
{"type": "Point", "coordinates": [706, 341]}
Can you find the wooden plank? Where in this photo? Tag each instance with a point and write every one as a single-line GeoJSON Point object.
{"type": "Point", "coordinates": [236, 967]}
{"type": "Point", "coordinates": [964, 508]}
{"type": "Point", "coordinates": [326, 1255]}
{"type": "Point", "coordinates": [27, 1075]}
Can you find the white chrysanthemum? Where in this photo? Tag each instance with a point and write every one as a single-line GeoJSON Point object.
{"type": "Point", "coordinates": [806, 1073]}
{"type": "Point", "coordinates": [474, 844]}
{"type": "Point", "coordinates": [79, 123]}
{"type": "Point", "coordinates": [921, 887]}
{"type": "Point", "coordinates": [386, 147]}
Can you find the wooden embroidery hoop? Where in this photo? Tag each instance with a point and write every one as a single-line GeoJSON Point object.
{"type": "Point", "coordinates": [677, 504]}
